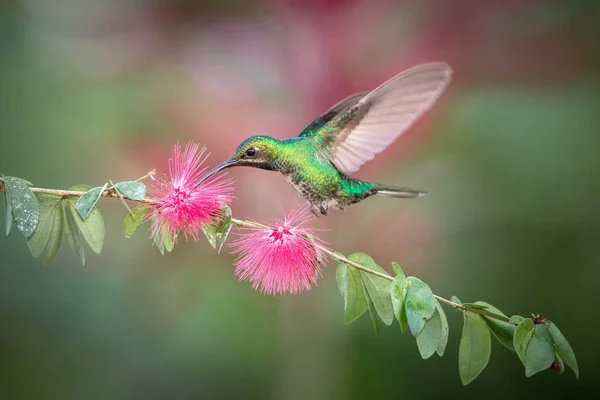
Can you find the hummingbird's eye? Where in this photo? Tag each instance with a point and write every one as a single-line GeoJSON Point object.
{"type": "Point", "coordinates": [251, 152]}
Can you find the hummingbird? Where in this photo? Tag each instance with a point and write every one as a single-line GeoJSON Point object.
{"type": "Point", "coordinates": [319, 161]}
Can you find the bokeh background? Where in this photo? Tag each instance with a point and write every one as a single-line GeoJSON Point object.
{"type": "Point", "coordinates": [97, 90]}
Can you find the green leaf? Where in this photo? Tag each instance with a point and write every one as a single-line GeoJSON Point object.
{"type": "Point", "coordinates": [539, 354]}
{"type": "Point", "coordinates": [403, 321]}
{"type": "Point", "coordinates": [503, 331]}
{"type": "Point", "coordinates": [378, 288]}
{"type": "Point", "coordinates": [131, 190]}
{"type": "Point", "coordinates": [217, 232]}
{"type": "Point", "coordinates": [434, 335]}
{"type": "Point", "coordinates": [560, 362]}
{"type": "Point", "coordinates": [475, 347]}
{"type": "Point", "coordinates": [92, 228]}
{"type": "Point", "coordinates": [516, 319]}
{"type": "Point", "coordinates": [350, 285]}
{"type": "Point", "coordinates": [398, 294]}
{"type": "Point", "coordinates": [23, 203]}
{"type": "Point", "coordinates": [419, 304]}
{"type": "Point", "coordinates": [49, 206]}
{"type": "Point", "coordinates": [563, 348]}
{"type": "Point", "coordinates": [169, 242]}
{"type": "Point", "coordinates": [522, 336]}
{"type": "Point", "coordinates": [55, 238]}
{"type": "Point", "coordinates": [134, 219]}
{"type": "Point", "coordinates": [397, 269]}
{"type": "Point", "coordinates": [375, 318]}
{"type": "Point", "coordinates": [7, 213]}
{"type": "Point", "coordinates": [455, 299]}
{"type": "Point", "coordinates": [159, 244]}
{"type": "Point", "coordinates": [74, 236]}
{"type": "Point", "coordinates": [85, 204]}
{"type": "Point", "coordinates": [445, 330]}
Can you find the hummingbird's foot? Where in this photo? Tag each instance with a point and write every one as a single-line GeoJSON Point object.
{"type": "Point", "coordinates": [318, 210]}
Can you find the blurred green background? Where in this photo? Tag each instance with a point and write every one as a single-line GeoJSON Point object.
{"type": "Point", "coordinates": [98, 90]}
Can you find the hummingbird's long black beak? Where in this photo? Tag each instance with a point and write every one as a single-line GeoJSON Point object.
{"type": "Point", "coordinates": [223, 165]}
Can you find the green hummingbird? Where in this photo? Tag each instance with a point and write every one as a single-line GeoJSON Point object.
{"type": "Point", "coordinates": [317, 163]}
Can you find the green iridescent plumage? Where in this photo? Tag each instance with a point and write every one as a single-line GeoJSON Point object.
{"type": "Point", "coordinates": [318, 162]}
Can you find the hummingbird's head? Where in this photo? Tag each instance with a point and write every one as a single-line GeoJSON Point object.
{"type": "Point", "coordinates": [256, 151]}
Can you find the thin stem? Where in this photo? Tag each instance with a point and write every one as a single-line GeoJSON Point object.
{"type": "Point", "coordinates": [250, 224]}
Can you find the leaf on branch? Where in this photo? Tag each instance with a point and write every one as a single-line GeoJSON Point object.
{"type": "Point", "coordinates": [503, 331]}
{"type": "Point", "coordinates": [218, 231]}
{"type": "Point", "coordinates": [49, 207]}
{"type": "Point", "coordinates": [131, 190]}
{"type": "Point", "coordinates": [21, 205]}
{"type": "Point", "coordinates": [539, 354]}
{"type": "Point", "coordinates": [164, 241]}
{"type": "Point", "coordinates": [563, 348]}
{"type": "Point", "coordinates": [134, 219]}
{"type": "Point", "coordinates": [375, 318]}
{"type": "Point", "coordinates": [59, 216]}
{"type": "Point", "coordinates": [74, 236]}
{"type": "Point", "coordinates": [92, 228]}
{"type": "Point", "coordinates": [475, 347]}
{"type": "Point", "coordinates": [560, 362]}
{"type": "Point", "coordinates": [455, 299]}
{"type": "Point", "coordinates": [522, 336]}
{"type": "Point", "coordinates": [398, 294]}
{"type": "Point", "coordinates": [419, 304]}
{"type": "Point", "coordinates": [434, 336]}
{"type": "Point", "coordinates": [56, 236]}
{"type": "Point", "coordinates": [376, 287]}
{"type": "Point", "coordinates": [397, 269]}
{"type": "Point", "coordinates": [350, 285]}
{"type": "Point", "coordinates": [516, 319]}
{"type": "Point", "coordinates": [86, 203]}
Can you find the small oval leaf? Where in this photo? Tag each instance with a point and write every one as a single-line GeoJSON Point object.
{"type": "Point", "coordinates": [563, 348]}
{"type": "Point", "coordinates": [38, 241]}
{"type": "Point", "coordinates": [92, 228]}
{"type": "Point", "coordinates": [74, 236]}
{"type": "Point", "coordinates": [55, 238]}
{"type": "Point", "coordinates": [23, 205]}
{"type": "Point", "coordinates": [539, 354]}
{"type": "Point", "coordinates": [434, 335]}
{"type": "Point", "coordinates": [419, 304]}
{"type": "Point", "coordinates": [375, 318]}
{"type": "Point", "coordinates": [131, 190]}
{"type": "Point", "coordinates": [397, 269]}
{"type": "Point", "coordinates": [134, 219]}
{"type": "Point", "coordinates": [86, 203]}
{"type": "Point", "coordinates": [350, 285]}
{"type": "Point", "coordinates": [475, 347]}
{"type": "Point", "coordinates": [218, 231]}
{"type": "Point", "coordinates": [522, 337]}
{"type": "Point", "coordinates": [398, 294]}
{"type": "Point", "coordinates": [378, 288]}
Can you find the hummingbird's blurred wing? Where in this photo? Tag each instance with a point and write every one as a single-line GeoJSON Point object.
{"type": "Point", "coordinates": [357, 134]}
{"type": "Point", "coordinates": [328, 115]}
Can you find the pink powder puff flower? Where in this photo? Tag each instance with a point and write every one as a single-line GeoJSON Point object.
{"type": "Point", "coordinates": [181, 206]}
{"type": "Point", "coordinates": [280, 258]}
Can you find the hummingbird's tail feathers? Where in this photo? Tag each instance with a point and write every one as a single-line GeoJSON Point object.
{"type": "Point", "coordinates": [399, 192]}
